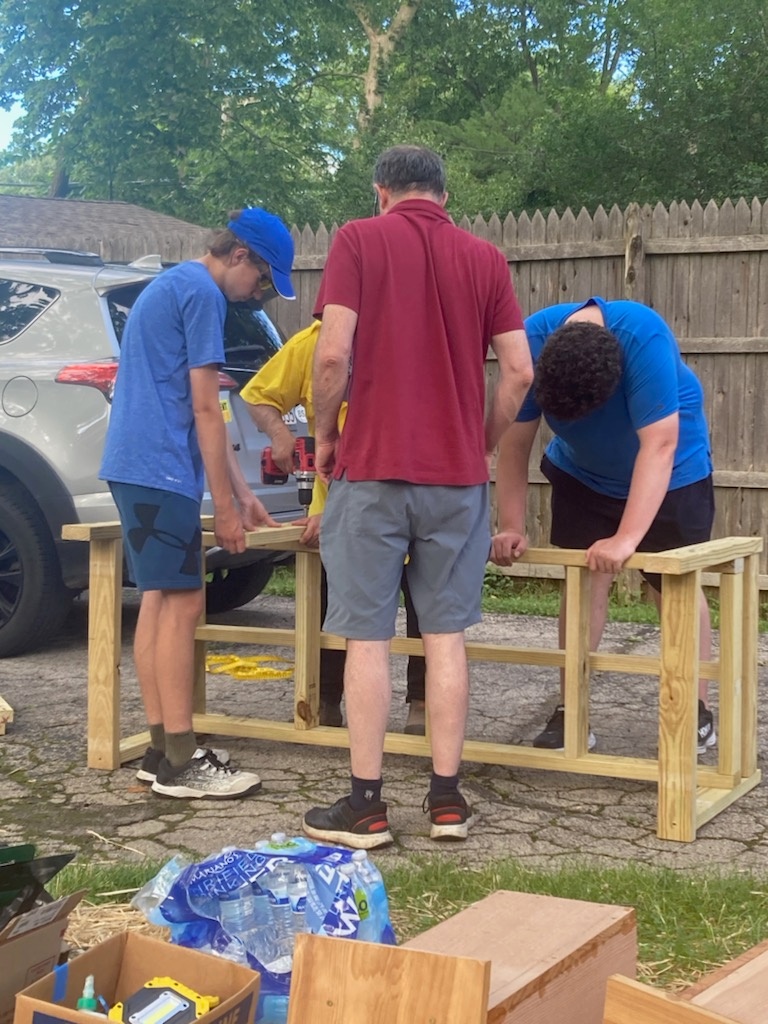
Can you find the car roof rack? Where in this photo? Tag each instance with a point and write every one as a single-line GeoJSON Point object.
{"type": "Point", "coordinates": [70, 256]}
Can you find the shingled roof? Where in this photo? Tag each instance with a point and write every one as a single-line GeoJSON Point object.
{"type": "Point", "coordinates": [117, 231]}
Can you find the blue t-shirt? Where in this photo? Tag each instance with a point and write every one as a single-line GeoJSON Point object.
{"type": "Point", "coordinates": [176, 324]}
{"type": "Point", "coordinates": [600, 449]}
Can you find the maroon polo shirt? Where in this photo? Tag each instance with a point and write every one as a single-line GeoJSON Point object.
{"type": "Point", "coordinates": [429, 298]}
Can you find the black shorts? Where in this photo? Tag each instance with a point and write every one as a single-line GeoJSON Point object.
{"type": "Point", "coordinates": [581, 516]}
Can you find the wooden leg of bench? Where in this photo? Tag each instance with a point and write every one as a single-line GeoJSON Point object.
{"type": "Point", "coordinates": [576, 696]}
{"type": "Point", "coordinates": [678, 707]}
{"type": "Point", "coordinates": [730, 702]}
{"type": "Point", "coordinates": [307, 651]}
{"type": "Point", "coordinates": [749, 632]}
{"type": "Point", "coordinates": [104, 647]}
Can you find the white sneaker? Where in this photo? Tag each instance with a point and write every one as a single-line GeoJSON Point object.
{"type": "Point", "coordinates": [150, 762]}
{"type": "Point", "coordinates": [204, 777]}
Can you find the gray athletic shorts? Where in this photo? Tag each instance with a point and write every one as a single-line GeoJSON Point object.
{"type": "Point", "coordinates": [370, 526]}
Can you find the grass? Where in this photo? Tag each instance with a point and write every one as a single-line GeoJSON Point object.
{"type": "Point", "coordinates": [687, 924]}
{"type": "Point", "coordinates": [507, 595]}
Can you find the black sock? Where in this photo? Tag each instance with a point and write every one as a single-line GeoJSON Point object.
{"type": "Point", "coordinates": [364, 792]}
{"type": "Point", "coordinates": [443, 785]}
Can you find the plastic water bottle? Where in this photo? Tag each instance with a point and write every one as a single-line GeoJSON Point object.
{"type": "Point", "coordinates": [298, 889]}
{"type": "Point", "coordinates": [272, 1009]}
{"type": "Point", "coordinates": [376, 926]}
{"type": "Point", "coordinates": [366, 930]}
{"type": "Point", "coordinates": [150, 897]}
{"type": "Point", "coordinates": [262, 906]}
{"type": "Point", "coordinates": [243, 919]}
{"type": "Point", "coordinates": [276, 883]}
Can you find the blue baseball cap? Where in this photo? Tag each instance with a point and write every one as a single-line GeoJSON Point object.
{"type": "Point", "coordinates": [267, 236]}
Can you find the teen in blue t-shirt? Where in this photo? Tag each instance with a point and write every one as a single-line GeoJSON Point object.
{"type": "Point", "coordinates": [166, 434]}
{"type": "Point", "coordinates": [629, 462]}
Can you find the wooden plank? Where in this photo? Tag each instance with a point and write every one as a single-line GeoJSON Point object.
{"type": "Point", "coordinates": [711, 801]}
{"type": "Point", "coordinates": [345, 981]}
{"type": "Point", "coordinates": [710, 345]}
{"type": "Point", "coordinates": [679, 561]}
{"type": "Point", "coordinates": [306, 698]}
{"type": "Point", "coordinates": [678, 717]}
{"type": "Point", "coordinates": [640, 769]}
{"type": "Point", "coordinates": [630, 1002]}
{"type": "Point", "coordinates": [104, 649]}
{"type": "Point", "coordinates": [92, 531]}
{"type": "Point", "coordinates": [730, 694]}
{"type": "Point", "coordinates": [749, 688]}
{"type": "Point", "coordinates": [576, 672]}
{"type": "Point", "coordinates": [6, 715]}
{"type": "Point", "coordinates": [575, 250]}
{"type": "Point", "coordinates": [263, 537]}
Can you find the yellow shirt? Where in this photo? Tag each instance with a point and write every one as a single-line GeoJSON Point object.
{"type": "Point", "coordinates": [285, 381]}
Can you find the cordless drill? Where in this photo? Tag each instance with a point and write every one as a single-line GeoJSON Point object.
{"type": "Point", "coordinates": [303, 469]}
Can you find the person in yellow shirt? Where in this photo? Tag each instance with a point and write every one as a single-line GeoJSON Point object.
{"type": "Point", "coordinates": [282, 383]}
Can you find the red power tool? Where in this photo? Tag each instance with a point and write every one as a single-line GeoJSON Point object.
{"type": "Point", "coordinates": [303, 469]}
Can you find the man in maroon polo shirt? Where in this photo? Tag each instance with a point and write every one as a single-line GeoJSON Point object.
{"type": "Point", "coordinates": [409, 305]}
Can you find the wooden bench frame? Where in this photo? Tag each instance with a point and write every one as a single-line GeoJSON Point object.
{"type": "Point", "coordinates": [688, 794]}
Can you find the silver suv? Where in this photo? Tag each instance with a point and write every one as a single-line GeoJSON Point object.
{"type": "Point", "coordinates": [61, 321]}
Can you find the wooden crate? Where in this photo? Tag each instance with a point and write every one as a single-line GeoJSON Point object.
{"type": "Point", "coordinates": [738, 990]}
{"type": "Point", "coordinates": [550, 957]}
{"type": "Point", "coordinates": [629, 1002]}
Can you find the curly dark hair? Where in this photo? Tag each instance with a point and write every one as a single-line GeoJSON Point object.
{"type": "Point", "coordinates": [578, 370]}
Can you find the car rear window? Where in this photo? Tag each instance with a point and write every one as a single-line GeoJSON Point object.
{"type": "Point", "coordinates": [250, 339]}
{"type": "Point", "coordinates": [120, 303]}
{"type": "Point", "coordinates": [20, 304]}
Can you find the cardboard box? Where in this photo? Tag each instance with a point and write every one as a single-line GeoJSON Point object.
{"type": "Point", "coordinates": [124, 964]}
{"type": "Point", "coordinates": [550, 957]}
{"type": "Point", "coordinates": [30, 947]}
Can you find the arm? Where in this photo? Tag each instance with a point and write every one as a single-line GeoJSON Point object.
{"type": "Point", "coordinates": [650, 481]}
{"type": "Point", "coordinates": [251, 509]}
{"type": "Point", "coordinates": [270, 421]}
{"type": "Point", "coordinates": [515, 378]}
{"type": "Point", "coordinates": [331, 374]}
{"type": "Point", "coordinates": [214, 443]}
{"type": "Point", "coordinates": [512, 490]}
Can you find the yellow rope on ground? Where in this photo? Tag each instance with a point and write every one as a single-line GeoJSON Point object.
{"type": "Point", "coordinates": [256, 666]}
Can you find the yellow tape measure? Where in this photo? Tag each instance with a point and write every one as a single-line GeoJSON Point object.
{"type": "Point", "coordinates": [254, 666]}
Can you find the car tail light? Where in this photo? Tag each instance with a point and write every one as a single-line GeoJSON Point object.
{"type": "Point", "coordinates": [227, 383]}
{"type": "Point", "coordinates": [102, 376]}
{"type": "Point", "coordinates": [92, 375]}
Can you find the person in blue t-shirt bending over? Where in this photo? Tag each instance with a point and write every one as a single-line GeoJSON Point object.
{"type": "Point", "coordinates": [630, 462]}
{"type": "Point", "coordinates": [166, 434]}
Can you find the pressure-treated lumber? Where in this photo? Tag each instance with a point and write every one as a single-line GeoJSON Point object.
{"type": "Point", "coordinates": [689, 795]}
{"type": "Point", "coordinates": [345, 981]}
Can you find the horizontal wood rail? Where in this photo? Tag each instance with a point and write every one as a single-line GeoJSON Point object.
{"type": "Point", "coordinates": [688, 795]}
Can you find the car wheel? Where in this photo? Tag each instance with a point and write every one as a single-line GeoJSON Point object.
{"type": "Point", "coordinates": [232, 588]}
{"type": "Point", "coordinates": [33, 600]}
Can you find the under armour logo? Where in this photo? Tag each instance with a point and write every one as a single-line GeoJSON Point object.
{"type": "Point", "coordinates": [369, 795]}
{"type": "Point", "coordinates": [139, 535]}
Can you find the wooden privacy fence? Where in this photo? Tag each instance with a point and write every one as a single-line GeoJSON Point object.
{"type": "Point", "coordinates": [688, 794]}
{"type": "Point", "coordinates": [705, 269]}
